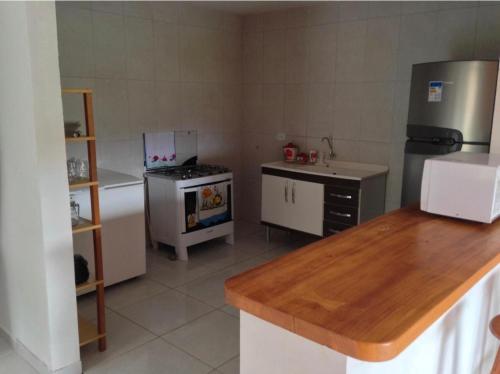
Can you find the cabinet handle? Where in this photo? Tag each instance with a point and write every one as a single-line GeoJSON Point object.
{"type": "Point", "coordinates": [340, 196]}
{"type": "Point", "coordinates": [293, 192]}
{"type": "Point", "coordinates": [346, 215]}
{"type": "Point", "coordinates": [333, 231]}
{"type": "Point", "coordinates": [286, 192]}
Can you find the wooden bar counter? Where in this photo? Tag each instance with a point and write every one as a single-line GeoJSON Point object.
{"type": "Point", "coordinates": [370, 291]}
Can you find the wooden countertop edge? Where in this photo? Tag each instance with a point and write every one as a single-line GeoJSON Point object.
{"type": "Point", "coordinates": [366, 351]}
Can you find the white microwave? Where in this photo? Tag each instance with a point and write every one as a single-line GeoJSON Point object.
{"type": "Point", "coordinates": [462, 185]}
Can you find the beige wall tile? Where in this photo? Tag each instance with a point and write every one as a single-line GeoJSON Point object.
{"type": "Point", "coordinates": [140, 48]}
{"type": "Point", "coordinates": [417, 42]}
{"type": "Point", "coordinates": [232, 58]}
{"type": "Point", "coordinates": [488, 32]}
{"type": "Point", "coordinates": [353, 10]}
{"type": "Point", "coordinates": [252, 107]}
{"type": "Point", "coordinates": [323, 13]}
{"type": "Point", "coordinates": [253, 57]}
{"type": "Point", "coordinates": [377, 111]}
{"type": "Point", "coordinates": [383, 8]}
{"type": "Point", "coordinates": [381, 55]}
{"type": "Point", "coordinates": [275, 20]}
{"type": "Point", "coordinates": [192, 43]}
{"type": "Point", "coordinates": [296, 55]}
{"type": "Point", "coordinates": [297, 17]}
{"type": "Point", "coordinates": [274, 56]}
{"type": "Point", "coordinates": [322, 42]}
{"type": "Point", "coordinates": [192, 15]}
{"type": "Point", "coordinates": [109, 45]}
{"type": "Point", "coordinates": [166, 11]}
{"type": "Point", "coordinates": [167, 100]}
{"type": "Point", "coordinates": [295, 109]}
{"type": "Point", "coordinates": [231, 99]}
{"type": "Point", "coordinates": [351, 41]}
{"type": "Point", "coordinates": [320, 109]}
{"type": "Point", "coordinates": [141, 9]}
{"type": "Point", "coordinates": [346, 150]}
{"type": "Point", "coordinates": [273, 99]}
{"type": "Point", "coordinates": [400, 115]}
{"type": "Point", "coordinates": [111, 109]}
{"type": "Point", "coordinates": [456, 34]}
{"type": "Point", "coordinates": [374, 153]}
{"type": "Point", "coordinates": [252, 23]}
{"type": "Point", "coordinates": [166, 51]}
{"type": "Point", "coordinates": [115, 7]}
{"type": "Point", "coordinates": [347, 113]}
{"type": "Point", "coordinates": [75, 42]}
{"type": "Point", "coordinates": [141, 107]}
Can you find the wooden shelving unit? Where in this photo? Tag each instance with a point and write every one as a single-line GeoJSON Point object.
{"type": "Point", "coordinates": [89, 332]}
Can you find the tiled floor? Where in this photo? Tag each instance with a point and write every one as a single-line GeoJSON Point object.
{"type": "Point", "coordinates": [10, 362]}
{"type": "Point", "coordinates": [174, 319]}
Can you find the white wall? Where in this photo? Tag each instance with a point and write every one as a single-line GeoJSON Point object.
{"type": "Point", "coordinates": [37, 293]}
{"type": "Point", "coordinates": [154, 66]}
{"type": "Point", "coordinates": [344, 68]}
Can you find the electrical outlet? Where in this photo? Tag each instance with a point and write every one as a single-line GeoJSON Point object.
{"type": "Point", "coordinates": [280, 136]}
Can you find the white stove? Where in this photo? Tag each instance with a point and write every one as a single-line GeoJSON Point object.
{"type": "Point", "coordinates": [190, 205]}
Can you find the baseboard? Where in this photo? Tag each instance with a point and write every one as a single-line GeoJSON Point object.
{"type": "Point", "coordinates": [35, 362]}
{"type": "Point", "coordinates": [40, 367]}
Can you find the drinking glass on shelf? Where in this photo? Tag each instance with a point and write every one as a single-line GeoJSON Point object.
{"type": "Point", "coordinates": [72, 169]}
{"type": "Point", "coordinates": [82, 169]}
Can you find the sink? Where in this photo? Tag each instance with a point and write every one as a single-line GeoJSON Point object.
{"type": "Point", "coordinates": [340, 169]}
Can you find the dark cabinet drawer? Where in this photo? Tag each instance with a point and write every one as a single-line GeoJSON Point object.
{"type": "Point", "coordinates": [342, 214]}
{"type": "Point", "coordinates": [341, 196]}
{"type": "Point", "coordinates": [332, 228]}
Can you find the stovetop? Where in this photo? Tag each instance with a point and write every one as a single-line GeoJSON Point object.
{"type": "Point", "coordinates": [191, 172]}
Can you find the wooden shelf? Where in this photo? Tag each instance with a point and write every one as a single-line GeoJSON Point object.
{"type": "Point", "coordinates": [84, 226]}
{"type": "Point", "coordinates": [75, 186]}
{"type": "Point", "coordinates": [76, 90]}
{"type": "Point", "coordinates": [80, 139]}
{"type": "Point", "coordinates": [88, 285]}
{"type": "Point", "coordinates": [87, 332]}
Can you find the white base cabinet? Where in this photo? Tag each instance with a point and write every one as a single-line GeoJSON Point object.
{"type": "Point", "coordinates": [293, 203]}
{"type": "Point", "coordinates": [318, 204]}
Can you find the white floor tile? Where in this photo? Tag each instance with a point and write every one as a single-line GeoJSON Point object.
{"type": "Point", "coordinates": [245, 228]}
{"type": "Point", "coordinates": [210, 289]}
{"type": "Point", "coordinates": [5, 346]}
{"type": "Point", "coordinates": [122, 336]}
{"type": "Point", "coordinates": [11, 363]}
{"type": "Point", "coordinates": [164, 312]}
{"type": "Point", "coordinates": [174, 273]}
{"type": "Point", "coordinates": [153, 358]}
{"type": "Point", "coordinates": [131, 291]}
{"type": "Point", "coordinates": [230, 367]}
{"type": "Point", "coordinates": [213, 338]}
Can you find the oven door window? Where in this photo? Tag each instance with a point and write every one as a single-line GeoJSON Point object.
{"type": "Point", "coordinates": [207, 206]}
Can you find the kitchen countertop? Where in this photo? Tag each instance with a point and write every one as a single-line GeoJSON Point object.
{"type": "Point", "coordinates": [370, 291]}
{"type": "Point", "coordinates": [337, 169]}
{"type": "Point", "coordinates": [109, 178]}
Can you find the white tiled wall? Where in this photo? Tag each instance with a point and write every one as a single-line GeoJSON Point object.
{"type": "Point", "coordinates": [153, 66]}
{"type": "Point", "coordinates": [335, 68]}
{"type": "Point", "coordinates": [344, 69]}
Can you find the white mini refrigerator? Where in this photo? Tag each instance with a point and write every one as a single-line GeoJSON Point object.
{"type": "Point", "coordinates": [121, 202]}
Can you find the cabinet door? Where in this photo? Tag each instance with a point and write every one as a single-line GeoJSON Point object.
{"type": "Point", "coordinates": [306, 207]}
{"type": "Point", "coordinates": [275, 193]}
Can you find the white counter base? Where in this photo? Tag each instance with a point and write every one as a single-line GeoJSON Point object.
{"type": "Point", "coordinates": [457, 343]}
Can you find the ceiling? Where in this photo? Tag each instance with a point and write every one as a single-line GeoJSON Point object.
{"type": "Point", "coordinates": [251, 7]}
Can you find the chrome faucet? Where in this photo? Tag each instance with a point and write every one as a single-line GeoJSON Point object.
{"type": "Point", "coordinates": [329, 139]}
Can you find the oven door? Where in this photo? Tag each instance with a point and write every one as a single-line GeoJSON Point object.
{"type": "Point", "coordinates": [206, 205]}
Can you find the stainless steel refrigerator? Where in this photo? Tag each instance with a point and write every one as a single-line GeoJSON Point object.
{"type": "Point", "coordinates": [451, 109]}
